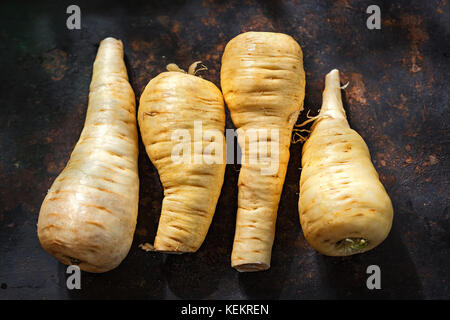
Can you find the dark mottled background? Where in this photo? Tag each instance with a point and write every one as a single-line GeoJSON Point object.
{"type": "Point", "coordinates": [397, 100]}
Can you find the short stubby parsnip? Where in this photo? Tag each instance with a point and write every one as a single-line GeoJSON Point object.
{"type": "Point", "coordinates": [182, 122]}
{"type": "Point", "coordinates": [344, 209]}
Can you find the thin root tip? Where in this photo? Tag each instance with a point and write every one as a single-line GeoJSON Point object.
{"type": "Point", "coordinates": [332, 78]}
{"type": "Point", "coordinates": [333, 73]}
{"type": "Point", "coordinates": [109, 39]}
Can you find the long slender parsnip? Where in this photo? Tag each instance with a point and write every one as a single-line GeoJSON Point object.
{"type": "Point", "coordinates": [89, 215]}
{"type": "Point", "coordinates": [178, 115]}
{"type": "Point", "coordinates": [344, 209]}
{"type": "Point", "coordinates": [263, 83]}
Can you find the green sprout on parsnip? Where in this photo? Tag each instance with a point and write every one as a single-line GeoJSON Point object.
{"type": "Point", "coordinates": [352, 245]}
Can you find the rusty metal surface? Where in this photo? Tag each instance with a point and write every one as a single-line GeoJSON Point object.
{"type": "Point", "coordinates": [397, 100]}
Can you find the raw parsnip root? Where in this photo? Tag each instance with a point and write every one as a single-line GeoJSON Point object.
{"type": "Point", "coordinates": [147, 247]}
{"type": "Point", "coordinates": [192, 68]}
{"type": "Point", "coordinates": [89, 215]}
{"type": "Point", "coordinates": [352, 245]}
{"type": "Point", "coordinates": [344, 209]}
{"type": "Point", "coordinates": [263, 83]}
{"type": "Point", "coordinates": [178, 102]}
{"type": "Point", "coordinates": [172, 67]}
{"type": "Point", "coordinates": [345, 86]}
{"type": "Point", "coordinates": [297, 136]}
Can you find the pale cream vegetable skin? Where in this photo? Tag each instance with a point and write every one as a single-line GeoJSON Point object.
{"type": "Point", "coordinates": [344, 209]}
{"type": "Point", "coordinates": [89, 215]}
{"type": "Point", "coordinates": [263, 83]}
{"type": "Point", "coordinates": [176, 101]}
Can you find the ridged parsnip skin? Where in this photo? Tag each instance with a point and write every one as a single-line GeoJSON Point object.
{"type": "Point", "coordinates": [89, 214]}
{"type": "Point", "coordinates": [176, 101]}
{"type": "Point", "coordinates": [263, 83]}
{"type": "Point", "coordinates": [341, 196]}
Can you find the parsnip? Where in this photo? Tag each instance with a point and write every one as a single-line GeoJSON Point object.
{"type": "Point", "coordinates": [344, 209]}
{"type": "Point", "coordinates": [89, 215]}
{"type": "Point", "coordinates": [176, 101]}
{"type": "Point", "coordinates": [263, 84]}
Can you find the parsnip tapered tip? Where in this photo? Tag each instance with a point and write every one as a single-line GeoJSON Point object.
{"type": "Point", "coordinates": [332, 100]}
{"type": "Point", "coordinates": [334, 72]}
{"type": "Point", "coordinates": [332, 79]}
{"type": "Point", "coordinates": [112, 40]}
{"type": "Point", "coordinates": [251, 267]}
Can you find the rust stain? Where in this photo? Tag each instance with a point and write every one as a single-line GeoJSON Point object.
{"type": "Point", "coordinates": [54, 168]}
{"type": "Point", "coordinates": [301, 243]}
{"type": "Point", "coordinates": [23, 191]}
{"type": "Point", "coordinates": [209, 21]}
{"type": "Point", "coordinates": [338, 18]}
{"type": "Point", "coordinates": [217, 6]}
{"type": "Point", "coordinates": [442, 3]}
{"type": "Point", "coordinates": [54, 62]}
{"type": "Point", "coordinates": [305, 31]}
{"type": "Point", "coordinates": [433, 160]}
{"type": "Point", "coordinates": [416, 34]}
{"type": "Point", "coordinates": [220, 47]}
{"type": "Point", "coordinates": [134, 45]}
{"type": "Point", "coordinates": [258, 22]}
{"type": "Point", "coordinates": [411, 133]}
{"type": "Point", "coordinates": [343, 3]}
{"type": "Point", "coordinates": [388, 180]}
{"type": "Point", "coordinates": [439, 9]}
{"type": "Point", "coordinates": [176, 27]}
{"type": "Point", "coordinates": [419, 170]}
{"type": "Point", "coordinates": [402, 105]}
{"type": "Point", "coordinates": [163, 20]}
{"type": "Point", "coordinates": [144, 63]}
{"type": "Point", "coordinates": [357, 89]}
{"type": "Point", "coordinates": [375, 96]}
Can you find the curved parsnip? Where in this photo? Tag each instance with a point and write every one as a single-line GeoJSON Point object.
{"type": "Point", "coordinates": [344, 209]}
{"type": "Point", "coordinates": [263, 83]}
{"type": "Point", "coordinates": [89, 215]}
{"type": "Point", "coordinates": [177, 111]}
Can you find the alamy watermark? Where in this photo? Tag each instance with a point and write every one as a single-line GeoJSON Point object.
{"type": "Point", "coordinates": [74, 280]}
{"type": "Point", "coordinates": [257, 146]}
{"type": "Point", "coordinates": [74, 20]}
{"type": "Point", "coordinates": [374, 280]}
{"type": "Point", "coordinates": [374, 20]}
